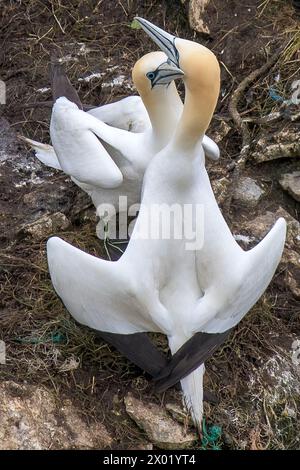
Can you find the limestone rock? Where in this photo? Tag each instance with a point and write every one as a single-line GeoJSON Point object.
{"type": "Point", "coordinates": [196, 10]}
{"type": "Point", "coordinates": [292, 273]}
{"type": "Point", "coordinates": [47, 225]}
{"type": "Point", "coordinates": [179, 414]}
{"type": "Point", "coordinates": [220, 187]}
{"type": "Point", "coordinates": [260, 226]}
{"type": "Point", "coordinates": [290, 182]}
{"type": "Point", "coordinates": [284, 144]}
{"type": "Point", "coordinates": [221, 131]}
{"type": "Point", "coordinates": [32, 419]}
{"type": "Point", "coordinates": [142, 446]}
{"type": "Point", "coordinates": [248, 192]}
{"type": "Point", "coordinates": [159, 427]}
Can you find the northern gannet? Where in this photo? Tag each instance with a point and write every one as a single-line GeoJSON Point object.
{"type": "Point", "coordinates": [78, 151]}
{"type": "Point", "coordinates": [193, 293]}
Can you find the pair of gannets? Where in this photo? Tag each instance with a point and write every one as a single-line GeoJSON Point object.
{"type": "Point", "coordinates": [194, 296]}
{"type": "Point", "coordinates": [115, 165]}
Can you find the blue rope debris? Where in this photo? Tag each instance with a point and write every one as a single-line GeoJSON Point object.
{"type": "Point", "coordinates": [211, 437]}
{"type": "Point", "coordinates": [274, 95]}
{"type": "Point", "coordinates": [55, 338]}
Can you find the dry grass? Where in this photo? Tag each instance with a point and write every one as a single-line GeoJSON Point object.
{"type": "Point", "coordinates": [44, 345]}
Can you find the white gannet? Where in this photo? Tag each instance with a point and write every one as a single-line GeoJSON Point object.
{"type": "Point", "coordinates": [193, 294]}
{"type": "Point", "coordinates": [73, 133]}
{"type": "Point", "coordinates": [121, 114]}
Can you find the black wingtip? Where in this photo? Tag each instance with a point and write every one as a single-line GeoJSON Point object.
{"type": "Point", "coordinates": [61, 85]}
{"type": "Point", "coordinates": [189, 357]}
{"type": "Point", "coordinates": [139, 349]}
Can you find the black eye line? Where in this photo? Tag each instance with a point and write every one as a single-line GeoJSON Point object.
{"type": "Point", "coordinates": [156, 81]}
{"type": "Point", "coordinates": [154, 76]}
{"type": "Point", "coordinates": [167, 47]}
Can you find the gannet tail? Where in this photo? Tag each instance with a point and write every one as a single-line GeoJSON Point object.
{"type": "Point", "coordinates": [192, 388]}
{"type": "Point", "coordinates": [61, 85]}
{"type": "Point", "coordinates": [44, 152]}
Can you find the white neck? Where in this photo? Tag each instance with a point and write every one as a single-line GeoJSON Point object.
{"type": "Point", "coordinates": [164, 108]}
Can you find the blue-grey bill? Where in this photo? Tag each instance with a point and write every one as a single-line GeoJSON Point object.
{"type": "Point", "coordinates": [164, 40]}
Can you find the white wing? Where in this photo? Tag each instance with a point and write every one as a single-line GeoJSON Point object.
{"type": "Point", "coordinates": [221, 309]}
{"type": "Point", "coordinates": [210, 148]}
{"type": "Point", "coordinates": [96, 292]}
{"type": "Point", "coordinates": [129, 114]}
{"type": "Point", "coordinates": [79, 151]}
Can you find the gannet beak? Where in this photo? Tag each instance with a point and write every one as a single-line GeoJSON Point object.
{"type": "Point", "coordinates": [164, 40]}
{"type": "Point", "coordinates": [164, 74]}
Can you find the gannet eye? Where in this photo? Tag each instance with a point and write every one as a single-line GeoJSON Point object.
{"type": "Point", "coordinates": [150, 75]}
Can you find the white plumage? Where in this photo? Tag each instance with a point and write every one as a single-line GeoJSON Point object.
{"type": "Point", "coordinates": [159, 284]}
{"type": "Point", "coordinates": [75, 137]}
{"type": "Point", "coordinates": [129, 114]}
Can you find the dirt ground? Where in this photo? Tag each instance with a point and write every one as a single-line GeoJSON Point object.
{"type": "Point", "coordinates": [252, 374]}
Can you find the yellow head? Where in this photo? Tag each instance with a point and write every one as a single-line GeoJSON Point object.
{"type": "Point", "coordinates": [153, 72]}
{"type": "Point", "coordinates": [201, 75]}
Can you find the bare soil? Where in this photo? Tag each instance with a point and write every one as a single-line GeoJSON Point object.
{"type": "Point", "coordinates": [252, 374]}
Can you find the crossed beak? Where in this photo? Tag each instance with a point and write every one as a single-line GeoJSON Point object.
{"type": "Point", "coordinates": [164, 40]}
{"type": "Point", "coordinates": [165, 74]}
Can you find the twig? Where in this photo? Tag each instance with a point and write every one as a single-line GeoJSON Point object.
{"type": "Point", "coordinates": [241, 123]}
{"type": "Point", "coordinates": [57, 20]}
{"type": "Point", "coordinates": [13, 73]}
{"type": "Point", "coordinates": [270, 118]}
{"type": "Point", "coordinates": [21, 261]}
{"type": "Point", "coordinates": [274, 117]}
{"type": "Point", "coordinates": [239, 92]}
{"type": "Point", "coordinates": [295, 117]}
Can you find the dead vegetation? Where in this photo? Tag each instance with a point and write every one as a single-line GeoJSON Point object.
{"type": "Point", "coordinates": [252, 374]}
